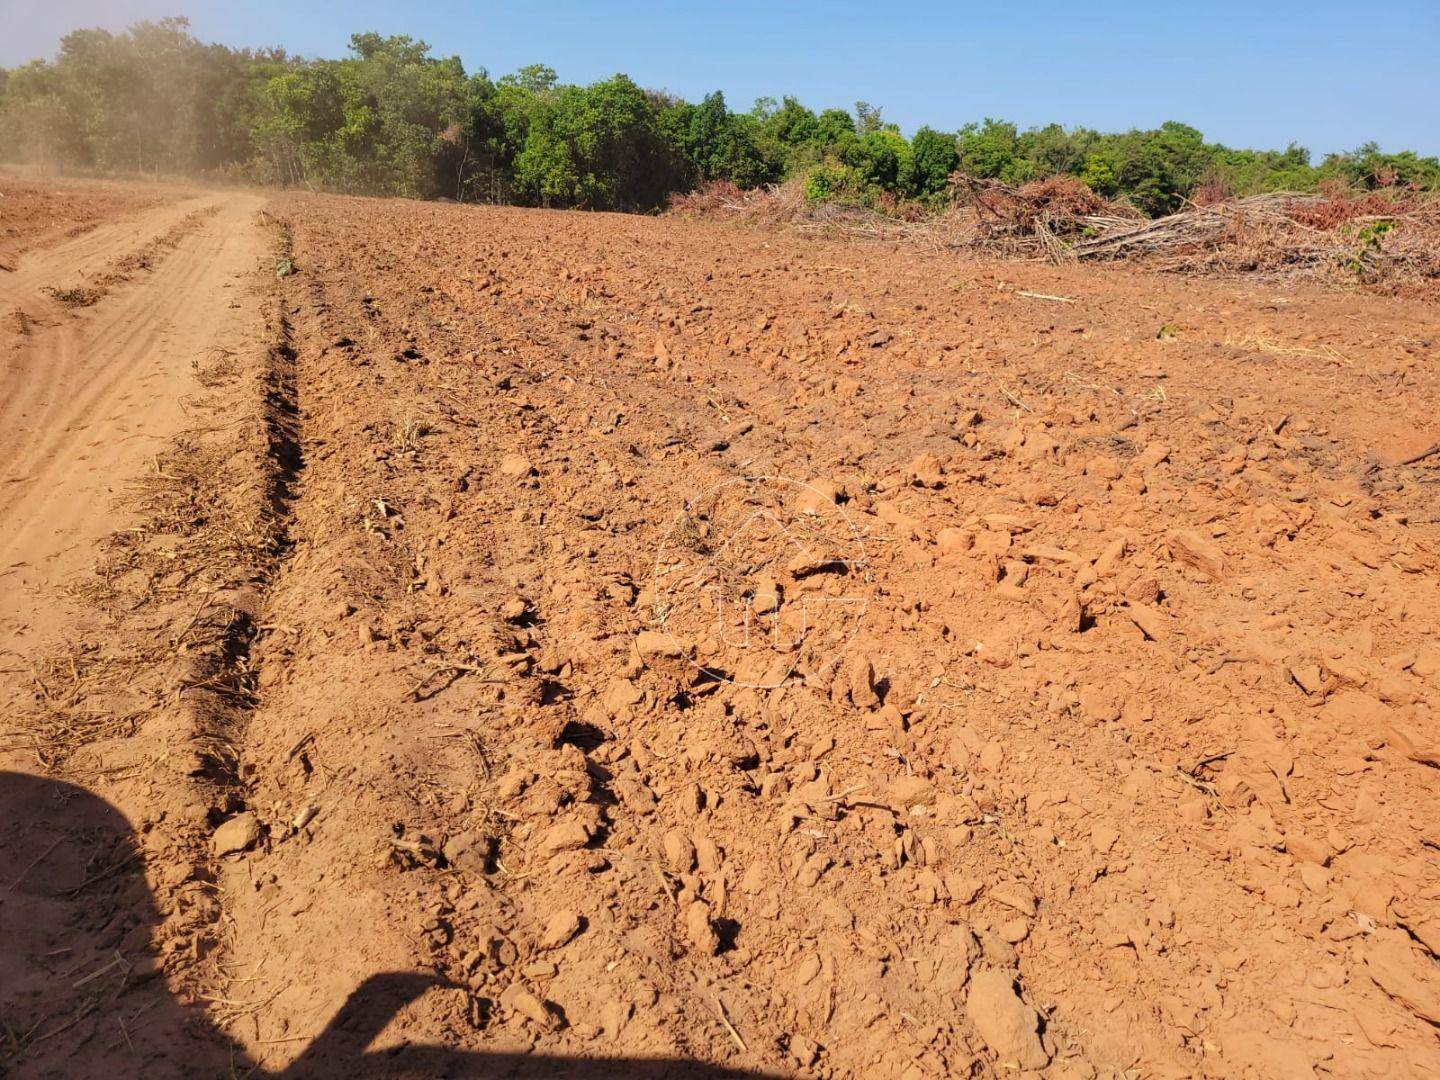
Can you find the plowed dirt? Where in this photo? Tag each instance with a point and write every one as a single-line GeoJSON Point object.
{"type": "Point", "coordinates": [40, 213]}
{"type": "Point", "coordinates": [674, 650]}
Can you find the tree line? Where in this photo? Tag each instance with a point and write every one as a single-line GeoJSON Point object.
{"type": "Point", "coordinates": [391, 118]}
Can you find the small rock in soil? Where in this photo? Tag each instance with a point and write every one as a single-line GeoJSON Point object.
{"type": "Point", "coordinates": [658, 645]}
{"type": "Point", "coordinates": [862, 683]}
{"type": "Point", "coordinates": [560, 929]}
{"type": "Point", "coordinates": [679, 852]}
{"type": "Point", "coordinates": [1194, 550]}
{"type": "Point", "coordinates": [564, 836]}
{"type": "Point", "coordinates": [1015, 896]}
{"type": "Point", "coordinates": [519, 1000]}
{"type": "Point", "coordinates": [515, 466]}
{"type": "Point", "coordinates": [239, 833]}
{"type": "Point", "coordinates": [699, 928]}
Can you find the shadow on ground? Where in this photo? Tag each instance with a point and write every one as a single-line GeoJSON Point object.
{"type": "Point", "coordinates": [81, 993]}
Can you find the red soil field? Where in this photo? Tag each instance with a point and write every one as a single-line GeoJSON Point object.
{"type": "Point", "coordinates": [580, 644]}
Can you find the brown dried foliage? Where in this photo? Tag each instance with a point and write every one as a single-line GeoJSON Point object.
{"type": "Point", "coordinates": [1388, 239]}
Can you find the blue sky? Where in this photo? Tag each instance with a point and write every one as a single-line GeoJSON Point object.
{"type": "Point", "coordinates": [1328, 75]}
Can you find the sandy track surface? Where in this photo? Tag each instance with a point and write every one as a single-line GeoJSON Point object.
{"type": "Point", "coordinates": [87, 395]}
{"type": "Point", "coordinates": [40, 212]}
{"type": "Point", "coordinates": [95, 397]}
{"type": "Point", "coordinates": [671, 650]}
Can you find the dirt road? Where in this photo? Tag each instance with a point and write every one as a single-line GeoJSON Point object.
{"type": "Point", "coordinates": [88, 394]}
{"type": "Point", "coordinates": [98, 385]}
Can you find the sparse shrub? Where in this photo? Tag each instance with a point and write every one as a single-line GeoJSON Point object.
{"type": "Point", "coordinates": [834, 182]}
{"type": "Point", "coordinates": [75, 296]}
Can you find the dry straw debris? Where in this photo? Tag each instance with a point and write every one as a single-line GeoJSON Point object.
{"type": "Point", "coordinates": [1388, 240]}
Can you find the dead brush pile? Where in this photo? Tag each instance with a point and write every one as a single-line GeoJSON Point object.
{"type": "Point", "coordinates": [1384, 239]}
{"type": "Point", "coordinates": [1387, 240]}
{"type": "Point", "coordinates": [1372, 239]}
{"type": "Point", "coordinates": [768, 207]}
{"type": "Point", "coordinates": [1041, 218]}
{"type": "Point", "coordinates": [710, 199]}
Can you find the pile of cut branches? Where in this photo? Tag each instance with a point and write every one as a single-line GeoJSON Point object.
{"type": "Point", "coordinates": [709, 199]}
{"type": "Point", "coordinates": [776, 204]}
{"type": "Point", "coordinates": [1190, 229]}
{"type": "Point", "coordinates": [1377, 240]}
{"type": "Point", "coordinates": [1384, 239]}
{"type": "Point", "coordinates": [1043, 217]}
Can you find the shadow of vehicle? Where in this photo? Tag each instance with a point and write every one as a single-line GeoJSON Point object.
{"type": "Point", "coordinates": [81, 990]}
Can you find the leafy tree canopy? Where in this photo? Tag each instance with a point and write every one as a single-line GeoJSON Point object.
{"type": "Point", "coordinates": [391, 117]}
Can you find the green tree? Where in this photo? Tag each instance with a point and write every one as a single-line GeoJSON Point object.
{"type": "Point", "coordinates": [867, 117]}
{"type": "Point", "coordinates": [534, 79]}
{"type": "Point", "coordinates": [1158, 169]}
{"type": "Point", "coordinates": [716, 143]}
{"type": "Point", "coordinates": [391, 118]}
{"type": "Point", "coordinates": [834, 126]}
{"type": "Point", "coordinates": [597, 147]}
{"type": "Point", "coordinates": [876, 157]}
{"type": "Point", "coordinates": [934, 158]}
{"type": "Point", "coordinates": [1368, 167]}
{"type": "Point", "coordinates": [1097, 173]}
{"type": "Point", "coordinates": [36, 126]}
{"type": "Point", "coordinates": [987, 150]}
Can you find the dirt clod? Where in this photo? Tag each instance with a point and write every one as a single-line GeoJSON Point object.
{"type": "Point", "coordinates": [560, 929]}
{"type": "Point", "coordinates": [1009, 1027]}
{"type": "Point", "coordinates": [524, 1003]}
{"type": "Point", "coordinates": [239, 833]}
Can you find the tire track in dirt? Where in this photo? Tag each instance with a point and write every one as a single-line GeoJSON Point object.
{"type": "Point", "coordinates": [177, 389]}
{"type": "Point", "coordinates": [114, 377]}
{"type": "Point", "coordinates": [44, 212]}
{"type": "Point", "coordinates": [75, 258]}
